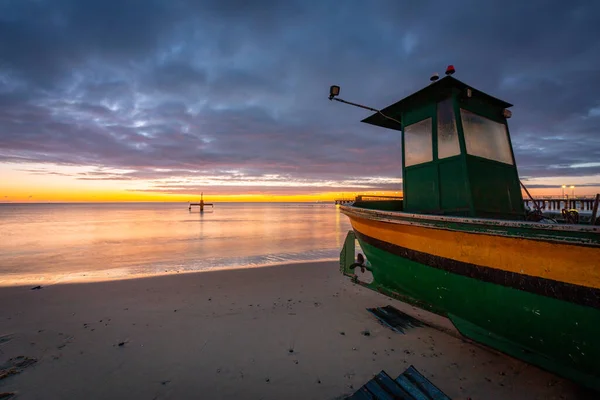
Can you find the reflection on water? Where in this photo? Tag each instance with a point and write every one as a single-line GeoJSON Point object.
{"type": "Point", "coordinates": [339, 236]}
{"type": "Point", "coordinates": [65, 242]}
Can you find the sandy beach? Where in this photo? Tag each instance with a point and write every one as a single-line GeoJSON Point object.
{"type": "Point", "coordinates": [285, 332]}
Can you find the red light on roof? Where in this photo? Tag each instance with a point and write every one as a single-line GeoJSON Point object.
{"type": "Point", "coordinates": [450, 70]}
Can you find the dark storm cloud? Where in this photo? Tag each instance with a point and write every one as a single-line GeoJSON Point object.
{"type": "Point", "coordinates": [163, 89]}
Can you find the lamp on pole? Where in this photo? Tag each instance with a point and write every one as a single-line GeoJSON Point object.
{"type": "Point", "coordinates": [563, 190]}
{"type": "Point", "coordinates": [572, 191]}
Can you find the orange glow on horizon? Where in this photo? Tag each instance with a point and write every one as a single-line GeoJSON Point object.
{"type": "Point", "coordinates": [108, 196]}
{"type": "Point", "coordinates": [102, 196]}
{"type": "Point", "coordinates": [19, 185]}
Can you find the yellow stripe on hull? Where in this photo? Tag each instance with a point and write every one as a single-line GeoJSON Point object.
{"type": "Point", "coordinates": [577, 265]}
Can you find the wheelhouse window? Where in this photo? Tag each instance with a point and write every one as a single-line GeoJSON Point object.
{"type": "Point", "coordinates": [417, 143]}
{"type": "Point", "coordinates": [447, 135]}
{"type": "Point", "coordinates": [486, 138]}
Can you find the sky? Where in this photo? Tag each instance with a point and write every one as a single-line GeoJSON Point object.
{"type": "Point", "coordinates": [104, 100]}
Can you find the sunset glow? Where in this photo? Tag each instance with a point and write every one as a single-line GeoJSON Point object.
{"type": "Point", "coordinates": [175, 105]}
{"type": "Point", "coordinates": [39, 184]}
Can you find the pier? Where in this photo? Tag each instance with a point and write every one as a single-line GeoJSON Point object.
{"type": "Point", "coordinates": [201, 204]}
{"type": "Point", "coordinates": [559, 203]}
{"type": "Point", "coordinates": [368, 197]}
{"type": "Point", "coordinates": [343, 201]}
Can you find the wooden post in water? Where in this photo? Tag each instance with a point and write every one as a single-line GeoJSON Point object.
{"type": "Point", "coordinates": [201, 204]}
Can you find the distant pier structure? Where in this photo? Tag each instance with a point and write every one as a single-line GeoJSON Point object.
{"type": "Point", "coordinates": [201, 204]}
{"type": "Point", "coordinates": [344, 201]}
{"type": "Point", "coordinates": [557, 203]}
{"type": "Point", "coordinates": [368, 197]}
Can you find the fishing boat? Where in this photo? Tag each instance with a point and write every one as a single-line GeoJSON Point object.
{"type": "Point", "coordinates": [461, 243]}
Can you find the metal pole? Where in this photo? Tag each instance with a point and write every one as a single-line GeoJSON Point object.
{"type": "Point", "coordinates": [528, 194]}
{"type": "Point", "coordinates": [367, 108]}
{"type": "Point", "coordinates": [357, 105]}
{"type": "Point", "coordinates": [595, 210]}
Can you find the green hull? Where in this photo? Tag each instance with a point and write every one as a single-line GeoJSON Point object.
{"type": "Point", "coordinates": [535, 328]}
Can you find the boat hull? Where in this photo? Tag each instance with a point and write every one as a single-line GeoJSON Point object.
{"type": "Point", "coordinates": [536, 300]}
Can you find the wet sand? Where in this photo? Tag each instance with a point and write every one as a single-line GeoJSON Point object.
{"type": "Point", "coordinates": [284, 332]}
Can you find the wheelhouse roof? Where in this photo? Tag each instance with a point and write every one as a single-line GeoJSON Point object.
{"type": "Point", "coordinates": [432, 93]}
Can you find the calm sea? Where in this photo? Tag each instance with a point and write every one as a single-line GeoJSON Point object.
{"type": "Point", "coordinates": [51, 243]}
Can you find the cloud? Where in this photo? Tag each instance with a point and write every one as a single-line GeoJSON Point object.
{"type": "Point", "coordinates": [175, 89]}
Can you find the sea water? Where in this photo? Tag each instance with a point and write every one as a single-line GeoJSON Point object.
{"type": "Point", "coordinates": [52, 243]}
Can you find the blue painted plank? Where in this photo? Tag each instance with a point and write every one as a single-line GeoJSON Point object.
{"type": "Point", "coordinates": [410, 385]}
{"type": "Point", "coordinates": [432, 391]}
{"type": "Point", "coordinates": [385, 381]}
{"type": "Point", "coordinates": [383, 321]}
{"type": "Point", "coordinates": [378, 392]}
{"type": "Point", "coordinates": [411, 388]}
{"type": "Point", "coordinates": [361, 394]}
{"type": "Point", "coordinates": [394, 318]}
